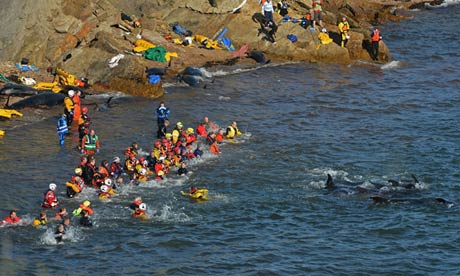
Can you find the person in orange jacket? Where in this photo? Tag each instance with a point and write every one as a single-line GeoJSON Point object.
{"type": "Point", "coordinates": [214, 148]}
{"type": "Point", "coordinates": [62, 214]}
{"type": "Point", "coordinates": [220, 136]}
{"type": "Point", "coordinates": [77, 105]}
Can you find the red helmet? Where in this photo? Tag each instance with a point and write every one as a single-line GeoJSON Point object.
{"type": "Point", "coordinates": [132, 155]}
{"type": "Point", "coordinates": [141, 159]}
{"type": "Point", "coordinates": [84, 109]}
{"type": "Point", "coordinates": [157, 144]}
{"type": "Point", "coordinates": [164, 141]}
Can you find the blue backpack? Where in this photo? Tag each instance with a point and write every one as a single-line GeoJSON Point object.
{"type": "Point", "coordinates": [292, 37]}
{"type": "Point", "coordinates": [179, 29]}
{"type": "Point", "coordinates": [154, 79]}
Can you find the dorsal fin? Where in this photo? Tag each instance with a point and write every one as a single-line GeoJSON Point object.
{"type": "Point", "coordinates": [380, 199]}
{"type": "Point", "coordinates": [329, 182]}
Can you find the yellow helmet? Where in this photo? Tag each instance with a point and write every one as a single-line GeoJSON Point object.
{"type": "Point", "coordinates": [190, 130]}
{"type": "Point", "coordinates": [160, 173]}
{"type": "Point", "coordinates": [78, 170]}
{"type": "Point", "coordinates": [168, 136]}
{"type": "Point", "coordinates": [86, 203]}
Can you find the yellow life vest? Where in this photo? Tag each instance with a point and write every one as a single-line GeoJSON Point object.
{"type": "Point", "coordinates": [175, 136]}
{"type": "Point", "coordinates": [344, 27]}
{"type": "Point", "coordinates": [69, 105]}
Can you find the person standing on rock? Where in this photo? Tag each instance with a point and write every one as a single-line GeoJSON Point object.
{"type": "Point", "coordinates": [162, 113]}
{"type": "Point", "coordinates": [317, 12]}
{"type": "Point", "coordinates": [344, 27]}
{"type": "Point", "coordinates": [375, 39]}
{"type": "Point", "coordinates": [282, 8]}
{"type": "Point", "coordinates": [267, 10]}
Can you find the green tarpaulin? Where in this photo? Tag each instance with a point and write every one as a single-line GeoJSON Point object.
{"type": "Point", "coordinates": [156, 53]}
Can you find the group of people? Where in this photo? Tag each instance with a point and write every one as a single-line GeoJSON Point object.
{"type": "Point", "coordinates": [74, 112]}
{"type": "Point", "coordinates": [171, 152]}
{"type": "Point", "coordinates": [313, 18]}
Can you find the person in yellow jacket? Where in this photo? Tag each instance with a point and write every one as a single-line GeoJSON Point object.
{"type": "Point", "coordinates": [232, 131]}
{"type": "Point", "coordinates": [344, 27]}
{"type": "Point", "coordinates": [324, 37]}
{"type": "Point", "coordinates": [177, 132]}
{"type": "Point", "coordinates": [41, 220]}
{"type": "Point", "coordinates": [69, 107]}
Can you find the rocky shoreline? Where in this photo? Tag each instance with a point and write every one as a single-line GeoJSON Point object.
{"type": "Point", "coordinates": [82, 36]}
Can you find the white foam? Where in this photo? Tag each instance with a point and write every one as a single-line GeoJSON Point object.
{"type": "Point", "coordinates": [452, 2]}
{"type": "Point", "coordinates": [391, 65]}
{"type": "Point", "coordinates": [429, 6]}
{"type": "Point", "coordinates": [72, 235]}
{"type": "Point", "coordinates": [168, 214]}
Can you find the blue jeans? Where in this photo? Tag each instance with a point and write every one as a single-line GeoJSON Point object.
{"type": "Point", "coordinates": [268, 15]}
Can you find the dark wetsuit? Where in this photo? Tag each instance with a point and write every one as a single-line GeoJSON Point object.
{"type": "Point", "coordinates": [86, 221]}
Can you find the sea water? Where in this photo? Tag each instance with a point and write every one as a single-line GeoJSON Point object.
{"type": "Point", "coordinates": [268, 212]}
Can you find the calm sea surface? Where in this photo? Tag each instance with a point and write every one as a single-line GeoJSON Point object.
{"type": "Point", "coordinates": [268, 213]}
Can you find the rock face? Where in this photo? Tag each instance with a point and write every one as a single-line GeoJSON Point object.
{"type": "Point", "coordinates": [80, 37]}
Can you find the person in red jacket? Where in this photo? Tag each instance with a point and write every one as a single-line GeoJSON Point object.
{"type": "Point", "coordinates": [50, 199]}
{"type": "Point", "coordinates": [12, 218]}
{"type": "Point", "coordinates": [201, 129]}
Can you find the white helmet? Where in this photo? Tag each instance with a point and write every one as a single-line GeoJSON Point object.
{"type": "Point", "coordinates": [104, 188]}
{"type": "Point", "coordinates": [71, 93]}
{"type": "Point", "coordinates": [108, 182]}
{"type": "Point", "coordinates": [143, 206]}
{"type": "Point", "coordinates": [52, 186]}
{"type": "Point", "coordinates": [143, 171]}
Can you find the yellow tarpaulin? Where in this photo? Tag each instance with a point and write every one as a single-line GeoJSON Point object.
{"type": "Point", "coordinates": [169, 55]}
{"type": "Point", "coordinates": [7, 113]}
{"type": "Point", "coordinates": [142, 45]}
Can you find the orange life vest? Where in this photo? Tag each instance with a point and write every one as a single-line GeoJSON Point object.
{"type": "Point", "coordinates": [376, 35]}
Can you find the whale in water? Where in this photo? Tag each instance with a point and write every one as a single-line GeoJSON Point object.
{"type": "Point", "coordinates": [411, 200]}
{"type": "Point", "coordinates": [48, 99]}
{"type": "Point", "coordinates": [347, 187]}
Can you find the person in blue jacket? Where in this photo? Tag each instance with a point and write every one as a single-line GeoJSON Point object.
{"type": "Point", "coordinates": [162, 113]}
{"type": "Point", "coordinates": [62, 128]}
